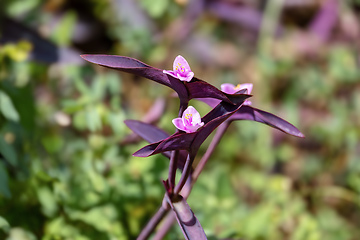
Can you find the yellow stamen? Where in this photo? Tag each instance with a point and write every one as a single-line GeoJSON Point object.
{"type": "Point", "coordinates": [238, 87]}
{"type": "Point", "coordinates": [188, 116]}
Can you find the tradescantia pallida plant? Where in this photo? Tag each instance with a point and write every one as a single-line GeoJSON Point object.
{"type": "Point", "coordinates": [228, 104]}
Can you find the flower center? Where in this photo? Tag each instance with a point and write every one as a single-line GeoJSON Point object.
{"type": "Point", "coordinates": [180, 68]}
{"type": "Point", "coordinates": [188, 119]}
{"type": "Point", "coordinates": [238, 87]}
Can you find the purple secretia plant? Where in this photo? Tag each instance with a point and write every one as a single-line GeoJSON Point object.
{"type": "Point", "coordinates": [228, 104]}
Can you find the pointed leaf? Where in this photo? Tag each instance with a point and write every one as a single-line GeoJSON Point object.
{"type": "Point", "coordinates": [192, 141]}
{"type": "Point", "coordinates": [7, 107]}
{"type": "Point", "coordinates": [186, 91]}
{"type": "Point", "coordinates": [129, 65]}
{"type": "Point", "coordinates": [8, 152]}
{"type": "Point", "coordinates": [153, 134]}
{"type": "Point", "coordinates": [147, 131]}
{"type": "Point", "coordinates": [4, 181]}
{"type": "Point", "coordinates": [254, 114]}
{"type": "Point", "coordinates": [177, 141]}
{"type": "Point", "coordinates": [212, 120]}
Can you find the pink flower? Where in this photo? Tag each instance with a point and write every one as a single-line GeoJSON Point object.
{"type": "Point", "coordinates": [189, 122]}
{"type": "Point", "coordinates": [181, 70]}
{"type": "Point", "coordinates": [231, 89]}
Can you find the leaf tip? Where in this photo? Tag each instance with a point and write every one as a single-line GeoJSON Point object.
{"type": "Point", "coordinates": [300, 135]}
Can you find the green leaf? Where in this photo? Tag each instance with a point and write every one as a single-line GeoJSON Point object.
{"type": "Point", "coordinates": [20, 8]}
{"type": "Point", "coordinates": [4, 187]}
{"type": "Point", "coordinates": [93, 119]}
{"type": "Point", "coordinates": [4, 225]}
{"type": "Point", "coordinates": [155, 8]}
{"type": "Point", "coordinates": [114, 119]}
{"type": "Point", "coordinates": [20, 234]}
{"type": "Point", "coordinates": [64, 30]}
{"type": "Point", "coordinates": [8, 151]}
{"type": "Point", "coordinates": [48, 201]}
{"type": "Point", "coordinates": [7, 108]}
{"type": "Point", "coordinates": [52, 143]}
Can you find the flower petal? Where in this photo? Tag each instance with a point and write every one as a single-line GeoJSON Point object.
{"type": "Point", "coordinates": [178, 122]}
{"type": "Point", "coordinates": [248, 86]}
{"type": "Point", "coordinates": [190, 75]}
{"type": "Point", "coordinates": [195, 114]}
{"type": "Point", "coordinates": [228, 88]}
{"type": "Point", "coordinates": [182, 78]}
{"type": "Point", "coordinates": [180, 62]}
{"type": "Point", "coordinates": [192, 141]}
{"type": "Point", "coordinates": [171, 73]}
{"type": "Point", "coordinates": [190, 110]}
{"type": "Point", "coordinates": [194, 89]}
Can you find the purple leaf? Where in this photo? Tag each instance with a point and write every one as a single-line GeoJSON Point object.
{"type": "Point", "coordinates": [134, 66]}
{"type": "Point", "coordinates": [186, 91]}
{"type": "Point", "coordinates": [177, 141]}
{"type": "Point", "coordinates": [147, 131]}
{"type": "Point", "coordinates": [129, 65]}
{"type": "Point", "coordinates": [153, 134]}
{"type": "Point", "coordinates": [200, 89]}
{"type": "Point", "coordinates": [254, 114]}
{"type": "Point", "coordinates": [192, 141]}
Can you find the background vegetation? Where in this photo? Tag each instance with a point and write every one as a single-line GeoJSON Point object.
{"type": "Point", "coordinates": [65, 172]}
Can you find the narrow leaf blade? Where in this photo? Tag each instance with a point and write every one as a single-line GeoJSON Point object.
{"type": "Point", "coordinates": [147, 131]}
{"type": "Point", "coordinates": [177, 141]}
{"type": "Point", "coordinates": [134, 66]}
{"type": "Point", "coordinates": [254, 114]}
{"type": "Point", "coordinates": [129, 65]}
{"type": "Point", "coordinates": [192, 141]}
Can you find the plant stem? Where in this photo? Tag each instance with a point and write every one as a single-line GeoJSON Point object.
{"type": "Point", "coordinates": [185, 174]}
{"type": "Point", "coordinates": [172, 169]}
{"type": "Point", "coordinates": [165, 227]}
{"type": "Point", "coordinates": [175, 154]}
{"type": "Point", "coordinates": [214, 142]}
{"type": "Point", "coordinates": [151, 225]}
{"type": "Point", "coordinates": [159, 215]}
{"type": "Point", "coordinates": [170, 218]}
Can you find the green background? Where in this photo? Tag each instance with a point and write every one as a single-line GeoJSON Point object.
{"type": "Point", "coordinates": [65, 174]}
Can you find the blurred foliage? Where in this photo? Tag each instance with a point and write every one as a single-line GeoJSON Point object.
{"type": "Point", "coordinates": [65, 175]}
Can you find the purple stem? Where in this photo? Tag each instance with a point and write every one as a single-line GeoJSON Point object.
{"type": "Point", "coordinates": [167, 197]}
{"type": "Point", "coordinates": [214, 142]}
{"type": "Point", "coordinates": [170, 218]}
{"type": "Point", "coordinates": [159, 215]}
{"type": "Point", "coordinates": [165, 227]}
{"type": "Point", "coordinates": [175, 154]}
{"type": "Point", "coordinates": [151, 225]}
{"type": "Point", "coordinates": [172, 169]}
{"type": "Point", "coordinates": [185, 174]}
